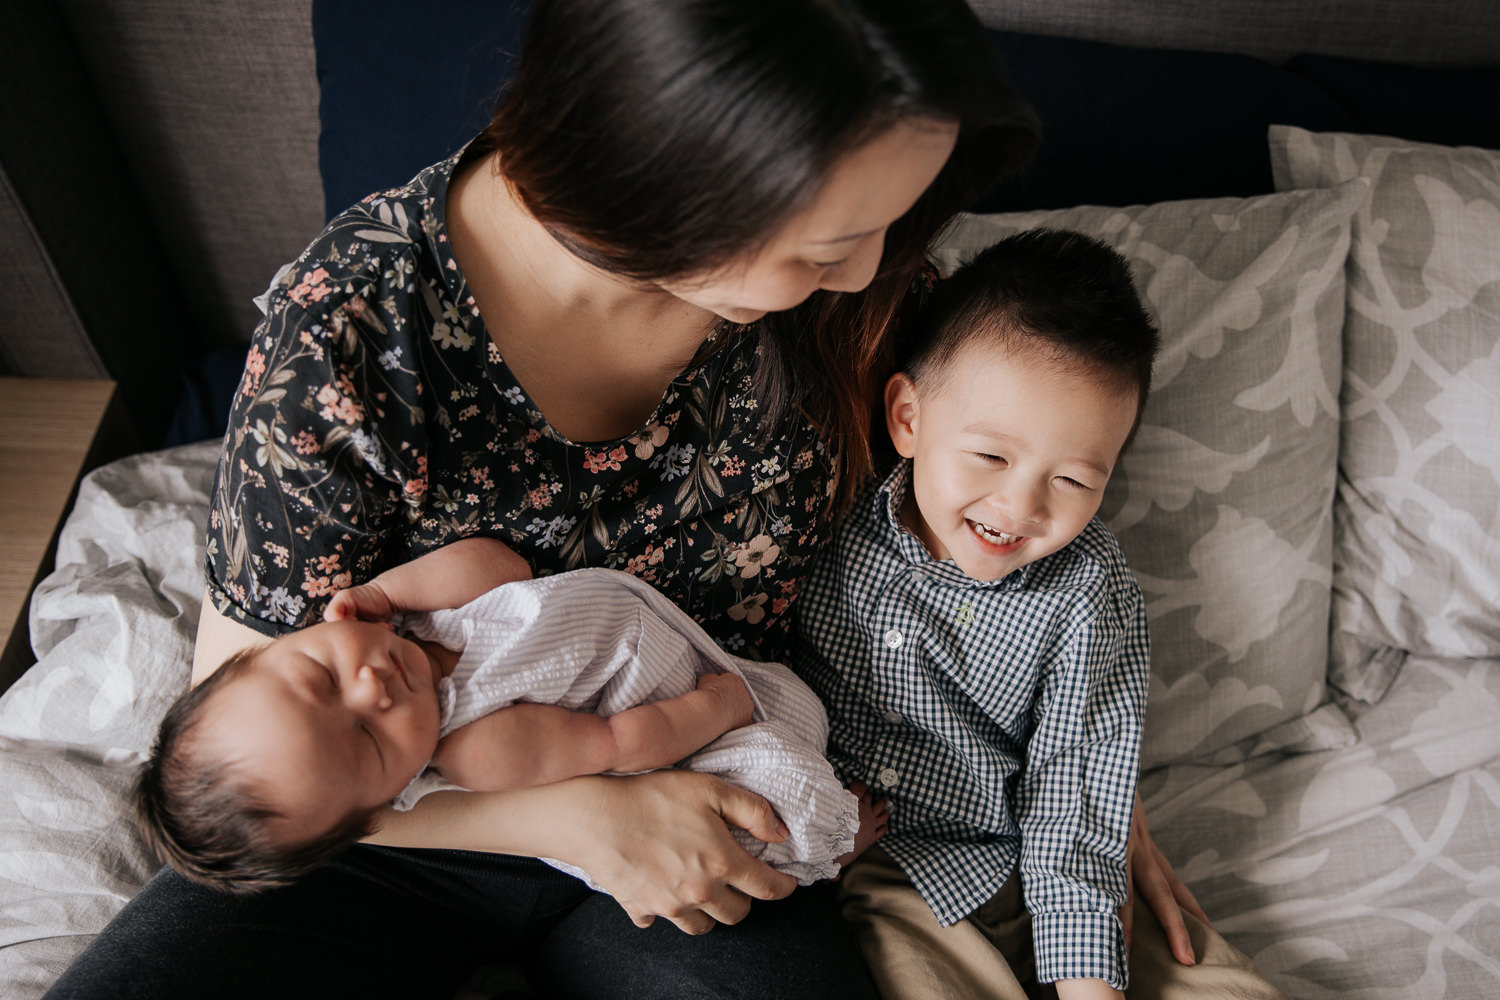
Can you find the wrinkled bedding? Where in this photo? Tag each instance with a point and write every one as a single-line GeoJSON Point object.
{"type": "Point", "coordinates": [1279, 848]}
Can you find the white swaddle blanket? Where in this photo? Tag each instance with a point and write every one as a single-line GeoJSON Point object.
{"type": "Point", "coordinates": [602, 641]}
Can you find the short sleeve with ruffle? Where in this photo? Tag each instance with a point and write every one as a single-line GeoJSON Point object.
{"type": "Point", "coordinates": [376, 421]}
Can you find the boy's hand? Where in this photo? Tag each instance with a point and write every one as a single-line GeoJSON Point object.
{"type": "Point", "coordinates": [735, 696]}
{"type": "Point", "coordinates": [1086, 989]}
{"type": "Point", "coordinates": [367, 602]}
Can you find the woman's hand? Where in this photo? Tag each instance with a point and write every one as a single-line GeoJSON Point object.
{"type": "Point", "coordinates": [660, 845]}
{"type": "Point", "coordinates": [1152, 878]}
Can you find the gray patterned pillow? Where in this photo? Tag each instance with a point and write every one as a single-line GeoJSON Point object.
{"type": "Point", "coordinates": [1417, 519]}
{"type": "Point", "coordinates": [1223, 504]}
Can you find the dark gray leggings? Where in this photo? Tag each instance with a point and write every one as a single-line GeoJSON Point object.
{"type": "Point", "coordinates": [384, 922]}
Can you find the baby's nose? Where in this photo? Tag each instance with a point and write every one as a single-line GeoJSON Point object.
{"type": "Point", "coordinates": [370, 689]}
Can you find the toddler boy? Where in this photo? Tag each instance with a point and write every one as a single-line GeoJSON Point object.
{"type": "Point", "coordinates": [974, 631]}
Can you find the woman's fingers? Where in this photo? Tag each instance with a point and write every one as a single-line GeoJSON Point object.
{"type": "Point", "coordinates": [673, 856]}
{"type": "Point", "coordinates": [1155, 883]}
{"type": "Point", "coordinates": [750, 813]}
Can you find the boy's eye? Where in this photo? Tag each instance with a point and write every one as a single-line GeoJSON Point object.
{"type": "Point", "coordinates": [333, 678]}
{"type": "Point", "coordinates": [993, 459]}
{"type": "Point", "coordinates": [1073, 484]}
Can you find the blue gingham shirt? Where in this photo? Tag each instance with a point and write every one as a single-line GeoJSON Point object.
{"type": "Point", "coordinates": [1001, 719]}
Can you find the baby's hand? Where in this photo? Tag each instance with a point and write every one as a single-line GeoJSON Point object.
{"type": "Point", "coordinates": [735, 696]}
{"type": "Point", "coordinates": [874, 817]}
{"type": "Point", "coordinates": [367, 602]}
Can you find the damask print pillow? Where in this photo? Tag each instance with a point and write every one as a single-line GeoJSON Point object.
{"type": "Point", "coordinates": [1223, 503]}
{"type": "Point", "coordinates": [1417, 517]}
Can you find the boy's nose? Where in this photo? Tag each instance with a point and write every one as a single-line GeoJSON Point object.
{"type": "Point", "coordinates": [1022, 505]}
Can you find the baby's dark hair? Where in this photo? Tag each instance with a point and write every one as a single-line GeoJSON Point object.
{"type": "Point", "coordinates": [1054, 291]}
{"type": "Point", "coordinates": [213, 825]}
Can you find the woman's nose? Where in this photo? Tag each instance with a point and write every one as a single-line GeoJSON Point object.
{"type": "Point", "coordinates": [368, 692]}
{"type": "Point", "coordinates": [857, 270]}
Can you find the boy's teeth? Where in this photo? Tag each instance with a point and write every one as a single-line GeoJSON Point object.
{"type": "Point", "coordinates": [998, 537]}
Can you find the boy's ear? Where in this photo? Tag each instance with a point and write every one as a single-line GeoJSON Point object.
{"type": "Point", "coordinates": [901, 413]}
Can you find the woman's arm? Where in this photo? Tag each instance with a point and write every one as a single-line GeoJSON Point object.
{"type": "Point", "coordinates": [219, 638]}
{"type": "Point", "coordinates": [659, 843]}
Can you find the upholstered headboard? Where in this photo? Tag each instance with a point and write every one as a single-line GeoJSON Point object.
{"type": "Point", "coordinates": [160, 158]}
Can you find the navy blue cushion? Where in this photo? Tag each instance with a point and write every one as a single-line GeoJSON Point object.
{"type": "Point", "coordinates": [404, 84]}
{"type": "Point", "coordinates": [1124, 126]}
{"type": "Point", "coordinates": [1449, 107]}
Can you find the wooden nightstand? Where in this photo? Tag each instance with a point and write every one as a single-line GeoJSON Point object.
{"type": "Point", "coordinates": [52, 431]}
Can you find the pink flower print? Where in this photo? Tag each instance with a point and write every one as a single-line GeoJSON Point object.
{"type": "Point", "coordinates": [752, 609]}
{"type": "Point", "coordinates": [755, 554]}
{"type": "Point", "coordinates": [642, 564]}
{"type": "Point", "coordinates": [305, 443]}
{"type": "Point", "coordinates": [648, 439]}
{"type": "Point", "coordinates": [337, 406]}
{"type": "Point", "coordinates": [733, 466]}
{"type": "Point", "coordinates": [315, 586]}
{"type": "Point", "coordinates": [539, 498]}
{"type": "Point", "coordinates": [599, 461]}
{"type": "Point", "coordinates": [311, 288]}
{"type": "Point", "coordinates": [255, 367]}
{"type": "Point", "coordinates": [779, 606]}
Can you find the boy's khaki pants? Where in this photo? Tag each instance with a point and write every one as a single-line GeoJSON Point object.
{"type": "Point", "coordinates": [913, 957]}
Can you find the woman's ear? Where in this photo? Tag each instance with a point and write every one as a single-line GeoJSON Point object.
{"type": "Point", "coordinates": [901, 413]}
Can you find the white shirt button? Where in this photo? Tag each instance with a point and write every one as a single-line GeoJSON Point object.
{"type": "Point", "coordinates": [888, 777]}
{"type": "Point", "coordinates": [894, 718]}
{"type": "Point", "coordinates": [893, 638]}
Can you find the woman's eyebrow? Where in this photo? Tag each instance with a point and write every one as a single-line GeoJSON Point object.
{"type": "Point", "coordinates": [846, 239]}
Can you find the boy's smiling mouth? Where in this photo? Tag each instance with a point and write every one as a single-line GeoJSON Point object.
{"type": "Point", "coordinates": [988, 534]}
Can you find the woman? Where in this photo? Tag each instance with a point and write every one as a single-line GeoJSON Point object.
{"type": "Point", "coordinates": [634, 324]}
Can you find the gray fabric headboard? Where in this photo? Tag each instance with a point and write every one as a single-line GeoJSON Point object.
{"type": "Point", "coordinates": [158, 158]}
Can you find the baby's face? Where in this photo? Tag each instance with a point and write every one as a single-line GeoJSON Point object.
{"type": "Point", "coordinates": [337, 717]}
{"type": "Point", "coordinates": [1010, 456]}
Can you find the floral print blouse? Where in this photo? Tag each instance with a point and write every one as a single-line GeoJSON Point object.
{"type": "Point", "coordinates": [376, 420]}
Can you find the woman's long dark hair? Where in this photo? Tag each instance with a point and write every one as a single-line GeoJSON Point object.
{"type": "Point", "coordinates": [660, 139]}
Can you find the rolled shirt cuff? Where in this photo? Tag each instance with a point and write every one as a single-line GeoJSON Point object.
{"type": "Point", "coordinates": [1080, 946]}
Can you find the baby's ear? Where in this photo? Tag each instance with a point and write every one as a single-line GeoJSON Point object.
{"type": "Point", "coordinates": [901, 413]}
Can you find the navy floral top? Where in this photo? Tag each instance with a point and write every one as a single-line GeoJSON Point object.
{"type": "Point", "coordinates": [376, 420]}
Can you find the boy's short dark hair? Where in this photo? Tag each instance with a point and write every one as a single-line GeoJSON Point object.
{"type": "Point", "coordinates": [1056, 290]}
{"type": "Point", "coordinates": [212, 825]}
